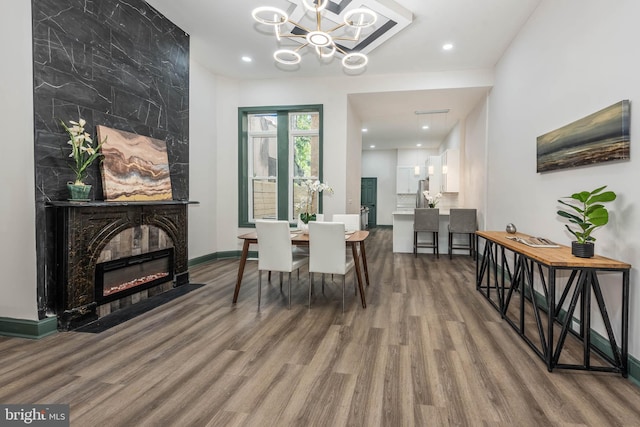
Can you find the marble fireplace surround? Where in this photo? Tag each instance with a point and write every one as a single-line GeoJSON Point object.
{"type": "Point", "coordinates": [85, 229]}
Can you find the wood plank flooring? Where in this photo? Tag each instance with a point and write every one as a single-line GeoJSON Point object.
{"type": "Point", "coordinates": [427, 351]}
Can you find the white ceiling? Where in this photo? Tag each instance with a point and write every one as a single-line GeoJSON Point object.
{"type": "Point", "coordinates": [480, 30]}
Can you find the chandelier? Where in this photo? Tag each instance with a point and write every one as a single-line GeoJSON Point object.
{"type": "Point", "coordinates": [321, 40]}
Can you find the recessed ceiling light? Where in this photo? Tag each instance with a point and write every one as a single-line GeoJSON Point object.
{"type": "Point", "coordinates": [364, 129]}
{"type": "Point", "coordinates": [425, 127]}
{"type": "Point", "coordinates": [447, 46]}
{"type": "Point", "coordinates": [372, 146]}
{"type": "Point", "coordinates": [247, 59]}
{"type": "Point", "coordinates": [418, 145]}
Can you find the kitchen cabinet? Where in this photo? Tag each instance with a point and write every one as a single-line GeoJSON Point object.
{"type": "Point", "coordinates": [407, 180]}
{"type": "Point", "coordinates": [434, 169]}
{"type": "Point", "coordinates": [450, 171]}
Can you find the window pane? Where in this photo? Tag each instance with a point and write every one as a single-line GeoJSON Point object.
{"type": "Point", "coordinates": [263, 123]}
{"type": "Point", "coordinates": [302, 200]}
{"type": "Point", "coordinates": [264, 156]}
{"type": "Point", "coordinates": [306, 155]}
{"type": "Point", "coordinates": [264, 198]}
{"type": "Point", "coordinates": [304, 121]}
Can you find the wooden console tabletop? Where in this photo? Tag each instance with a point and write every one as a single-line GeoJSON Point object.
{"type": "Point", "coordinates": [554, 257]}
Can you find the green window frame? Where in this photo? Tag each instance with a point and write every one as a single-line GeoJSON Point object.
{"type": "Point", "coordinates": [284, 132]}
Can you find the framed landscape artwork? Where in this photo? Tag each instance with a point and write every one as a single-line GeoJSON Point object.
{"type": "Point", "coordinates": [600, 137]}
{"type": "Point", "coordinates": [135, 167]}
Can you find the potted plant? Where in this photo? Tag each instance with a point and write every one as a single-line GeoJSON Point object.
{"type": "Point", "coordinates": [432, 201]}
{"type": "Point", "coordinates": [83, 154]}
{"type": "Point", "coordinates": [586, 211]}
{"type": "Point", "coordinates": [306, 206]}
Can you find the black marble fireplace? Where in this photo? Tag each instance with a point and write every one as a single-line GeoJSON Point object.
{"type": "Point", "coordinates": [116, 63]}
{"type": "Point", "coordinates": [86, 232]}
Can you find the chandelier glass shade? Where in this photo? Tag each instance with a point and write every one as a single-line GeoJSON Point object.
{"type": "Point", "coordinates": [322, 40]}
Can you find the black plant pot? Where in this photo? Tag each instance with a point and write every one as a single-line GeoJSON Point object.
{"type": "Point", "coordinates": [582, 250]}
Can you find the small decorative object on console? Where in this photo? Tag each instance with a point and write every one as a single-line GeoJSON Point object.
{"type": "Point", "coordinates": [511, 228]}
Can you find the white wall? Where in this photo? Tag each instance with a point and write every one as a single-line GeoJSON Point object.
{"type": "Point", "coordinates": [570, 60]}
{"type": "Point", "coordinates": [473, 162]}
{"type": "Point", "coordinates": [17, 212]}
{"type": "Point", "coordinates": [353, 164]}
{"type": "Point", "coordinates": [203, 138]}
{"type": "Point", "coordinates": [381, 164]}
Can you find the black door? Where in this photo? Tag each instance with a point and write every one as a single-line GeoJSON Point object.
{"type": "Point", "coordinates": [369, 197]}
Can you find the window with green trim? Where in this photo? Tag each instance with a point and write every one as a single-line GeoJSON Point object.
{"type": "Point", "coordinates": [279, 147]}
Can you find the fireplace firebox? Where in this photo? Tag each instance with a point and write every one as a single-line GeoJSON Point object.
{"type": "Point", "coordinates": [125, 276]}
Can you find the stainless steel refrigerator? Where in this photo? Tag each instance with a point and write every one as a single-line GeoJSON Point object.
{"type": "Point", "coordinates": [421, 201]}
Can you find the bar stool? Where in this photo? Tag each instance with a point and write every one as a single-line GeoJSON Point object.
{"type": "Point", "coordinates": [463, 221]}
{"type": "Point", "coordinates": [426, 220]}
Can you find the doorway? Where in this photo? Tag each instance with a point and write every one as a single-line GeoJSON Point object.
{"type": "Point", "coordinates": [369, 198]}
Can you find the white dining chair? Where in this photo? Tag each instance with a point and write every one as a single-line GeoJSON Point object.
{"type": "Point", "coordinates": [304, 250]}
{"type": "Point", "coordinates": [275, 251]}
{"type": "Point", "coordinates": [351, 221]}
{"type": "Point", "coordinates": [327, 252]}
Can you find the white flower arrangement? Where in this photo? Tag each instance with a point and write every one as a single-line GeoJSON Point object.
{"type": "Point", "coordinates": [304, 207]}
{"type": "Point", "coordinates": [432, 201]}
{"type": "Point", "coordinates": [82, 150]}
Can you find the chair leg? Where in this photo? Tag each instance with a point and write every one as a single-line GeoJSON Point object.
{"type": "Point", "coordinates": [259, 287]}
{"type": "Point", "coordinates": [289, 290]}
{"type": "Point", "coordinates": [310, 282]}
{"type": "Point", "coordinates": [343, 280]}
{"type": "Point", "coordinates": [281, 274]}
{"type": "Point", "coordinates": [450, 245]}
{"type": "Point", "coordinates": [470, 246]}
{"type": "Point", "coordinates": [436, 244]}
{"type": "Point", "coordinates": [415, 244]}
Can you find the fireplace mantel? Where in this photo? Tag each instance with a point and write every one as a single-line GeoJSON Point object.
{"type": "Point", "coordinates": [105, 203]}
{"type": "Point", "coordinates": [83, 229]}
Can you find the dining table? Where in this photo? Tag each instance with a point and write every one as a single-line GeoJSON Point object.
{"type": "Point", "coordinates": [354, 239]}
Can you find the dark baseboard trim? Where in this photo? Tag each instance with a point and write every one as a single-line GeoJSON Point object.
{"type": "Point", "coordinates": [33, 329]}
{"type": "Point", "coordinates": [213, 257]}
{"type": "Point", "coordinates": [220, 255]}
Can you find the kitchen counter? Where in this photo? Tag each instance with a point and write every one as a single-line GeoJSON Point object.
{"type": "Point", "coordinates": [403, 232]}
{"type": "Point", "coordinates": [443, 212]}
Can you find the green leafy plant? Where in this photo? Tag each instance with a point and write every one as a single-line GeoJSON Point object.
{"type": "Point", "coordinates": [586, 211]}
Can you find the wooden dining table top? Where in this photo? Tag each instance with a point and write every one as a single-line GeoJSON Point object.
{"type": "Point", "coordinates": [298, 237]}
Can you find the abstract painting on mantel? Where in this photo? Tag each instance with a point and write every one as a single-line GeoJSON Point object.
{"type": "Point", "coordinates": [135, 167]}
{"type": "Point", "coordinates": [599, 137]}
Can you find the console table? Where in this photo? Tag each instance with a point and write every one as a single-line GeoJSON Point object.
{"type": "Point", "coordinates": [507, 283]}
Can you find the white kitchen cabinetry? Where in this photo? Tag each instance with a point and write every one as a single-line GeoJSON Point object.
{"type": "Point", "coordinates": [434, 169]}
{"type": "Point", "coordinates": [451, 171]}
{"type": "Point", "coordinates": [407, 180]}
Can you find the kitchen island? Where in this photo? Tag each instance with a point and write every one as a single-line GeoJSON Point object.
{"type": "Point", "coordinates": [403, 232]}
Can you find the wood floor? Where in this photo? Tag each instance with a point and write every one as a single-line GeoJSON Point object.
{"type": "Point", "coordinates": [427, 351]}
